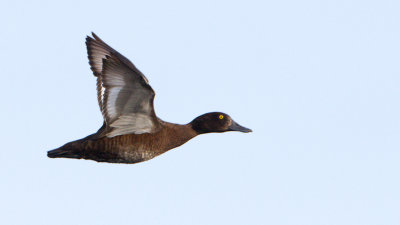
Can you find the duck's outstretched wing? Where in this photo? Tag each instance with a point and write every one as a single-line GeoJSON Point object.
{"type": "Point", "coordinates": [124, 94]}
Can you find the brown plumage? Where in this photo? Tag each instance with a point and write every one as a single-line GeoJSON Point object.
{"type": "Point", "coordinates": [131, 131]}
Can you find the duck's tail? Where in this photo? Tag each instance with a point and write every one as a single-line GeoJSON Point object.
{"type": "Point", "coordinates": [69, 150]}
{"type": "Point", "coordinates": [73, 149]}
{"type": "Point", "coordinates": [63, 153]}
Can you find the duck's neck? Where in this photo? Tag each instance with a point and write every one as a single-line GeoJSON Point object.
{"type": "Point", "coordinates": [197, 127]}
{"type": "Point", "coordinates": [183, 132]}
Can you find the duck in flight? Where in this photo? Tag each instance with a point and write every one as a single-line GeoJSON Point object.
{"type": "Point", "coordinates": [131, 131]}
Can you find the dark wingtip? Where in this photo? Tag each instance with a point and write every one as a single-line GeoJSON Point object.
{"type": "Point", "coordinates": [88, 39]}
{"type": "Point", "coordinates": [95, 36]}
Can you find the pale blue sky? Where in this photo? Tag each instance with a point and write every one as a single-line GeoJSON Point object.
{"type": "Point", "coordinates": [317, 81]}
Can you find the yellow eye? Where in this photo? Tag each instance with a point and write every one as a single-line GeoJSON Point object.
{"type": "Point", "coordinates": [221, 117]}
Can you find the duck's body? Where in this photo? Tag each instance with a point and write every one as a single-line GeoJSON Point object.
{"type": "Point", "coordinates": [131, 131]}
{"type": "Point", "coordinates": [130, 148]}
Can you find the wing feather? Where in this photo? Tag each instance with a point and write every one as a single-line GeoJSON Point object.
{"type": "Point", "coordinates": [124, 95]}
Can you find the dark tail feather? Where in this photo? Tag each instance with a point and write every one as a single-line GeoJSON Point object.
{"type": "Point", "coordinates": [63, 153]}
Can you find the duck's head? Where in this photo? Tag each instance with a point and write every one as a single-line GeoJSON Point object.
{"type": "Point", "coordinates": [216, 122]}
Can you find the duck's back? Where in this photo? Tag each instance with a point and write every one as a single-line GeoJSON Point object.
{"type": "Point", "coordinates": [130, 148]}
